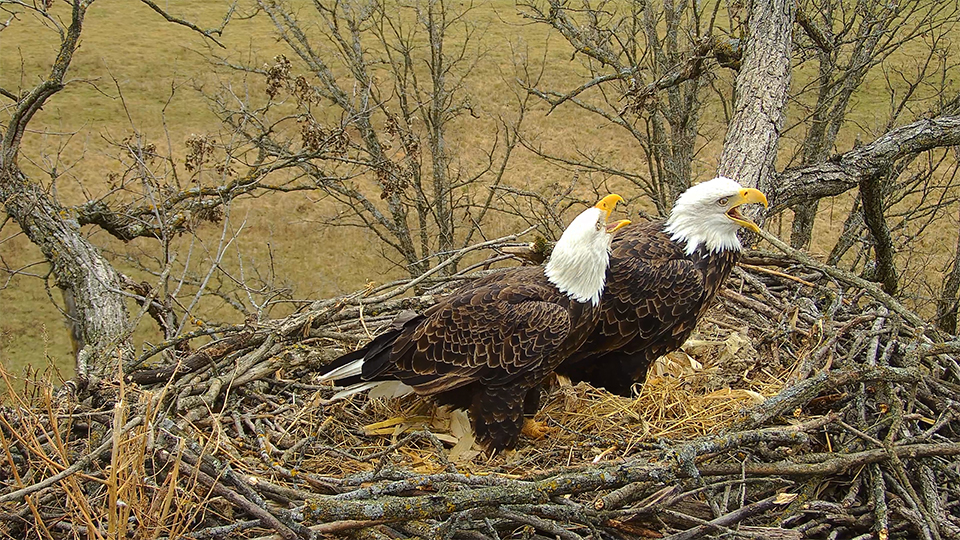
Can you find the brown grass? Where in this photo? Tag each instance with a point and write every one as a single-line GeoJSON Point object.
{"type": "Point", "coordinates": [149, 59]}
{"type": "Point", "coordinates": [200, 465]}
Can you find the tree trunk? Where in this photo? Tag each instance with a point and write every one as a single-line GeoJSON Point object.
{"type": "Point", "coordinates": [852, 227]}
{"type": "Point", "coordinates": [947, 303]}
{"type": "Point", "coordinates": [871, 195]}
{"type": "Point", "coordinates": [804, 218]}
{"type": "Point", "coordinates": [78, 267]}
{"type": "Point", "coordinates": [832, 104]}
{"type": "Point", "coordinates": [438, 124]}
{"type": "Point", "coordinates": [750, 147]}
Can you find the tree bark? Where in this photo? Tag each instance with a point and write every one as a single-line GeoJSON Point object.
{"type": "Point", "coordinates": [947, 303]}
{"type": "Point", "coordinates": [831, 178]}
{"type": "Point", "coordinates": [750, 147]}
{"type": "Point", "coordinates": [804, 218]}
{"type": "Point", "coordinates": [871, 195]}
{"type": "Point", "coordinates": [77, 265]}
{"type": "Point", "coordinates": [852, 226]}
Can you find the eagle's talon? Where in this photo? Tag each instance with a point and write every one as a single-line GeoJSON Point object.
{"type": "Point", "coordinates": [535, 430]}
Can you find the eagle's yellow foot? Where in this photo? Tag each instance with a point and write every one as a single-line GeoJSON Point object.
{"type": "Point", "coordinates": [534, 429]}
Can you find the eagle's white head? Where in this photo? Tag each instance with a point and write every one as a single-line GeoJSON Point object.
{"type": "Point", "coordinates": [707, 214]}
{"type": "Point", "coordinates": [578, 264]}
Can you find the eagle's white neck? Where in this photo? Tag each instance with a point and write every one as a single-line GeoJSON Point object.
{"type": "Point", "coordinates": [578, 265]}
{"type": "Point", "coordinates": [696, 231]}
{"type": "Point", "coordinates": [698, 220]}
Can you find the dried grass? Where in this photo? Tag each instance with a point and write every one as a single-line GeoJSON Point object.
{"type": "Point", "coordinates": [759, 401]}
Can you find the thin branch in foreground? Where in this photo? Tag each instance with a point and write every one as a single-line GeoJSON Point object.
{"type": "Point", "coordinates": [209, 34]}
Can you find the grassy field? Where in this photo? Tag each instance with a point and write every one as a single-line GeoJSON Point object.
{"type": "Point", "coordinates": [127, 48]}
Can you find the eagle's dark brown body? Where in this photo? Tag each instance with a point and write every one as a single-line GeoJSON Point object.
{"type": "Point", "coordinates": [482, 348]}
{"type": "Point", "coordinates": [654, 296]}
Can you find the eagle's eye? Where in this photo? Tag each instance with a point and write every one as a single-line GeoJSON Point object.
{"type": "Point", "coordinates": [599, 225]}
{"type": "Point", "coordinates": [723, 201]}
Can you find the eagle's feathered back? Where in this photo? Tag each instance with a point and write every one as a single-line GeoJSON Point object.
{"type": "Point", "coordinates": [488, 344]}
{"type": "Point", "coordinates": [661, 279]}
{"type": "Point", "coordinates": [655, 294]}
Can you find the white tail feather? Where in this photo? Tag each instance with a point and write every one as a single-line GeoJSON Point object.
{"type": "Point", "coordinates": [387, 389]}
{"type": "Point", "coordinates": [347, 370]}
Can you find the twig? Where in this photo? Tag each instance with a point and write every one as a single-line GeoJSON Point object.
{"type": "Point", "coordinates": [265, 517]}
{"type": "Point", "coordinates": [541, 524]}
{"type": "Point", "coordinates": [846, 277]}
{"type": "Point", "coordinates": [205, 33]}
{"type": "Point", "coordinates": [459, 254]}
{"type": "Point", "coordinates": [783, 275]}
{"type": "Point", "coordinates": [734, 517]}
{"type": "Point", "coordinates": [77, 466]}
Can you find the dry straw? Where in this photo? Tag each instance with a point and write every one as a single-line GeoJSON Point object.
{"type": "Point", "coordinates": [805, 405]}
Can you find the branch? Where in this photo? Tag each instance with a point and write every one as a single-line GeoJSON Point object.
{"type": "Point", "coordinates": [814, 31]}
{"type": "Point", "coordinates": [735, 517]}
{"type": "Point", "coordinates": [843, 173]}
{"type": "Point", "coordinates": [871, 194]}
{"type": "Point", "coordinates": [677, 463]}
{"type": "Point", "coordinates": [836, 463]}
{"type": "Point", "coordinates": [205, 33]}
{"type": "Point", "coordinates": [8, 94]}
{"type": "Point", "coordinates": [688, 69]}
{"type": "Point", "coordinates": [871, 288]}
{"type": "Point", "coordinates": [34, 101]}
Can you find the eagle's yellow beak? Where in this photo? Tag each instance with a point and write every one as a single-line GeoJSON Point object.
{"type": "Point", "coordinates": [746, 196]}
{"type": "Point", "coordinates": [617, 225]}
{"type": "Point", "coordinates": [607, 204]}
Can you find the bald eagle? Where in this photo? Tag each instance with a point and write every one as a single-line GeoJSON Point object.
{"type": "Point", "coordinates": [662, 277]}
{"type": "Point", "coordinates": [487, 345]}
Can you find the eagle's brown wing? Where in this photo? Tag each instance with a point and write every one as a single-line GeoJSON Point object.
{"type": "Point", "coordinates": [485, 347]}
{"type": "Point", "coordinates": [653, 298]}
{"type": "Point", "coordinates": [492, 334]}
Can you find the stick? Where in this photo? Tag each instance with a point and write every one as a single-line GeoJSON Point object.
{"type": "Point", "coordinates": [847, 277]}
{"type": "Point", "coordinates": [76, 467]}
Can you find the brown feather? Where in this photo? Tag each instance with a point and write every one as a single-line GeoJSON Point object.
{"type": "Point", "coordinates": [654, 296]}
{"type": "Point", "coordinates": [485, 347]}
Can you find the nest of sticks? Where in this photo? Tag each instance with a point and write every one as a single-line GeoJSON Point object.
{"type": "Point", "coordinates": [809, 405]}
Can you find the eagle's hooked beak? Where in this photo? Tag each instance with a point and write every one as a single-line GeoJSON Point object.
{"type": "Point", "coordinates": [746, 196]}
{"type": "Point", "coordinates": [607, 204]}
{"type": "Point", "coordinates": [617, 225]}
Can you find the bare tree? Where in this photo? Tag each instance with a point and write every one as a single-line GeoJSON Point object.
{"type": "Point", "coordinates": [846, 44]}
{"type": "Point", "coordinates": [947, 304]}
{"type": "Point", "coordinates": [649, 67]}
{"type": "Point", "coordinates": [150, 198]}
{"type": "Point", "coordinates": [79, 267]}
{"type": "Point", "coordinates": [361, 114]}
{"type": "Point", "coordinates": [363, 110]}
{"type": "Point", "coordinates": [903, 178]}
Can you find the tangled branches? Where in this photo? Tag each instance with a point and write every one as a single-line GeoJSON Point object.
{"type": "Point", "coordinates": [853, 433]}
